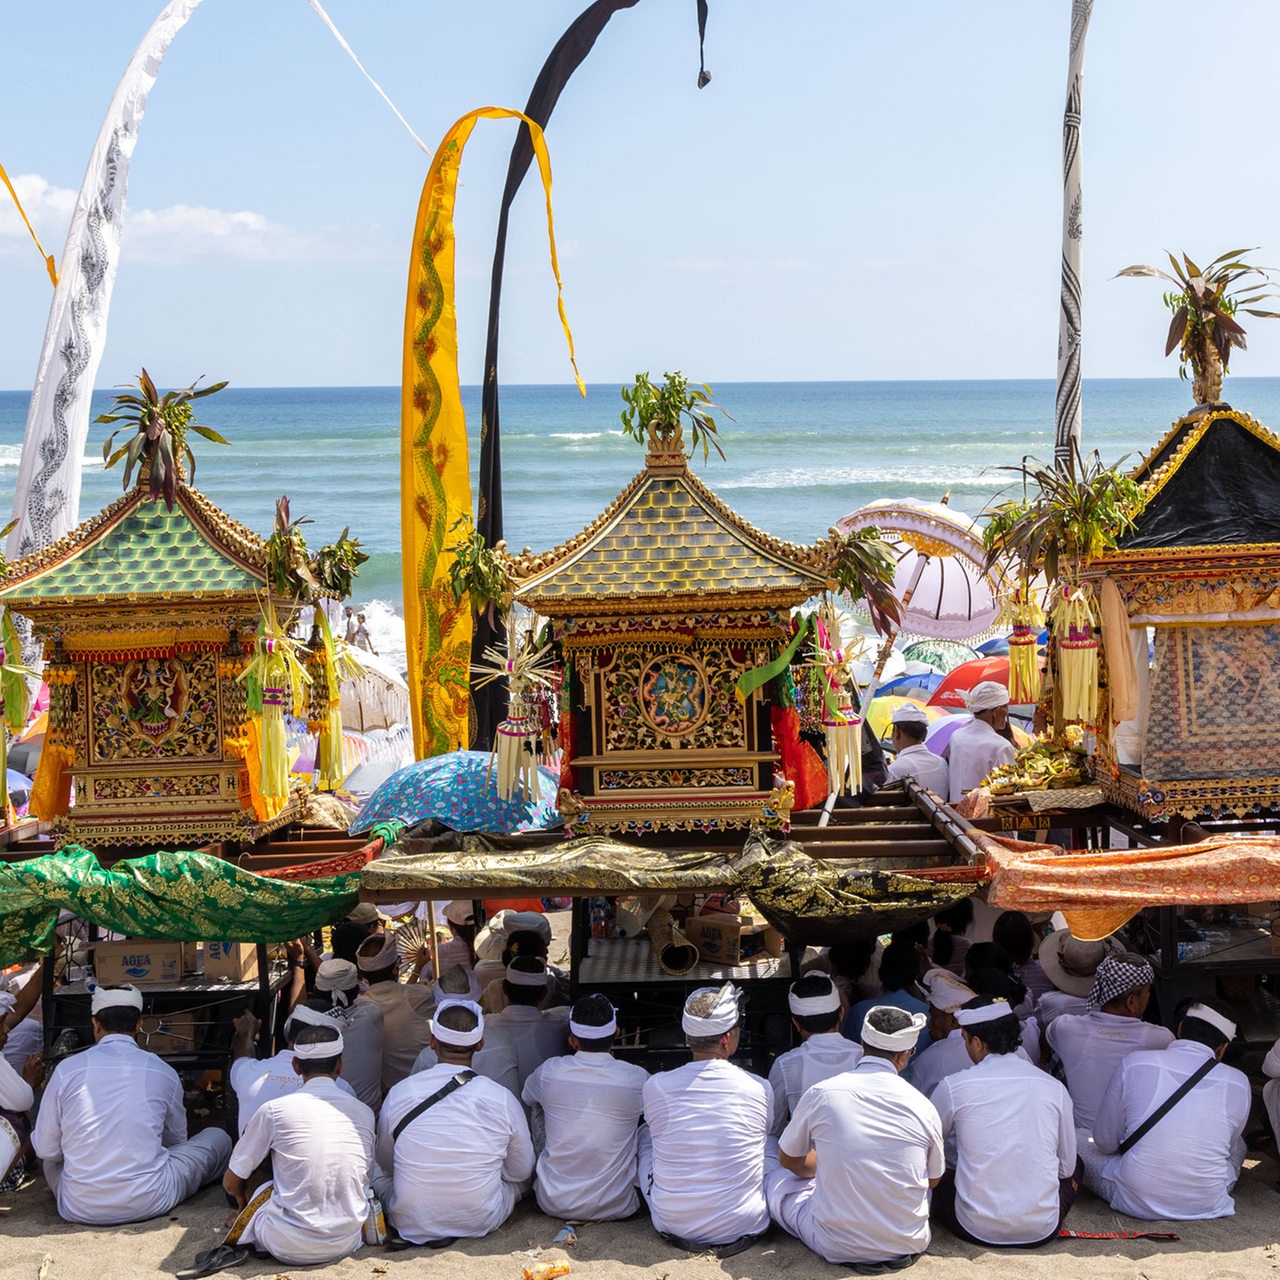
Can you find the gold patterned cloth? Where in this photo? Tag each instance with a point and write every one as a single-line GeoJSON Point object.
{"type": "Point", "coordinates": [178, 896]}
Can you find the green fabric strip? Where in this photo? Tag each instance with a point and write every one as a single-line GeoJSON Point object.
{"type": "Point", "coordinates": [750, 681]}
{"type": "Point", "coordinates": [175, 896]}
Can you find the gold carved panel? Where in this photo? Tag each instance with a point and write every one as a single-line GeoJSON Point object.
{"type": "Point", "coordinates": [155, 709]}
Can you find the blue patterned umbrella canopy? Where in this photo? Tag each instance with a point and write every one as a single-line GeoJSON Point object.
{"type": "Point", "coordinates": [457, 789]}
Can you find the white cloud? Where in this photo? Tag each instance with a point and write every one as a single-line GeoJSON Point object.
{"type": "Point", "coordinates": [179, 233]}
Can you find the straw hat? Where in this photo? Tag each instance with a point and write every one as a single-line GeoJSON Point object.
{"type": "Point", "coordinates": [1071, 964]}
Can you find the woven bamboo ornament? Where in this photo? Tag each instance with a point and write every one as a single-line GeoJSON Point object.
{"type": "Point", "coordinates": [1027, 620]}
{"type": "Point", "coordinates": [274, 671]}
{"type": "Point", "coordinates": [516, 742]}
{"type": "Point", "coordinates": [1074, 624]}
{"type": "Point", "coordinates": [334, 662]}
{"type": "Point", "coordinates": [841, 724]}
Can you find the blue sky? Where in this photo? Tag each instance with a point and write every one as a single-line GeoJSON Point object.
{"type": "Point", "coordinates": [863, 191]}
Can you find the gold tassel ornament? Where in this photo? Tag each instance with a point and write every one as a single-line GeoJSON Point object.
{"type": "Point", "coordinates": [332, 663]}
{"type": "Point", "coordinates": [1076, 643]}
{"type": "Point", "coordinates": [1026, 619]}
{"type": "Point", "coordinates": [274, 670]}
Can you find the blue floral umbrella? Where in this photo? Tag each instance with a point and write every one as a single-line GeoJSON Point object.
{"type": "Point", "coordinates": [459, 790]}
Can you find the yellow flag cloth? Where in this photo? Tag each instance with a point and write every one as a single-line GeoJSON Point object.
{"type": "Point", "coordinates": [435, 478]}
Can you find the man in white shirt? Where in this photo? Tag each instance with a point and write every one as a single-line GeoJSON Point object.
{"type": "Point", "coordinates": [523, 1036]}
{"type": "Point", "coordinates": [1071, 965]}
{"type": "Point", "coordinates": [857, 1160]}
{"type": "Point", "coordinates": [320, 1143]}
{"type": "Point", "coordinates": [701, 1156]}
{"type": "Point", "coordinates": [255, 1081]}
{"type": "Point", "coordinates": [591, 1106]}
{"type": "Point", "coordinates": [978, 747]}
{"type": "Point", "coordinates": [453, 1152]}
{"type": "Point", "coordinates": [405, 1007]}
{"type": "Point", "coordinates": [1091, 1046]}
{"type": "Point", "coordinates": [1017, 1172]}
{"type": "Point", "coordinates": [337, 998]}
{"type": "Point", "coordinates": [112, 1130]}
{"type": "Point", "coordinates": [1185, 1165]}
{"type": "Point", "coordinates": [823, 1052]}
{"type": "Point", "coordinates": [946, 1054]}
{"type": "Point", "coordinates": [910, 725]}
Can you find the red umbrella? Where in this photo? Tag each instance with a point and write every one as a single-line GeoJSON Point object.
{"type": "Point", "coordinates": [951, 692]}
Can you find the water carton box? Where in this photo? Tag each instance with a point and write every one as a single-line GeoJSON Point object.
{"type": "Point", "coordinates": [137, 960]}
{"type": "Point", "coordinates": [732, 940]}
{"type": "Point", "coordinates": [234, 961]}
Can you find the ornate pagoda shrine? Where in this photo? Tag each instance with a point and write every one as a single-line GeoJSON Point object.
{"type": "Point", "coordinates": [147, 615]}
{"type": "Point", "coordinates": [1201, 568]}
{"type": "Point", "coordinates": [658, 607]}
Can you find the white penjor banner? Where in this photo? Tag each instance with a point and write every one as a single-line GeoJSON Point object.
{"type": "Point", "coordinates": [46, 502]}
{"type": "Point", "coordinates": [1067, 408]}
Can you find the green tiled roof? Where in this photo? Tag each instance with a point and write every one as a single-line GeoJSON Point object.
{"type": "Point", "coordinates": [669, 537]}
{"type": "Point", "coordinates": [150, 551]}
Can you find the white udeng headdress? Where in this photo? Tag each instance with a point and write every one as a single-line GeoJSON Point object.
{"type": "Point", "coordinates": [814, 1006]}
{"type": "Point", "coordinates": [322, 1049]}
{"type": "Point", "coordinates": [723, 1017]}
{"type": "Point", "coordinates": [984, 1013]}
{"type": "Point", "coordinates": [1213, 1018]}
{"type": "Point", "coordinates": [893, 1041]}
{"type": "Point", "coordinates": [127, 997]}
{"type": "Point", "coordinates": [458, 1039]}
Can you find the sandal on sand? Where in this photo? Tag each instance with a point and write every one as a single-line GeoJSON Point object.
{"type": "Point", "coordinates": [214, 1260]}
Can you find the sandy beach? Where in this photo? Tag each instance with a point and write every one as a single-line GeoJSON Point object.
{"type": "Point", "coordinates": [1239, 1248]}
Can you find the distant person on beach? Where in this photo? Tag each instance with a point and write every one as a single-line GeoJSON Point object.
{"type": "Point", "coordinates": [352, 625]}
{"type": "Point", "coordinates": [979, 746]}
{"type": "Point", "coordinates": [112, 1128]}
{"type": "Point", "coordinates": [362, 635]}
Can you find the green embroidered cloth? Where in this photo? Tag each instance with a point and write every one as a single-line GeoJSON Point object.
{"type": "Point", "coordinates": [178, 896]}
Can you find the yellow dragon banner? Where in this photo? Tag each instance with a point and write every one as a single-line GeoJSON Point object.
{"type": "Point", "coordinates": [435, 478]}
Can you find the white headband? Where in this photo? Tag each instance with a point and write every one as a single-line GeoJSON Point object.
{"type": "Point", "coordinates": [946, 992]}
{"type": "Point", "coordinates": [1213, 1018]}
{"type": "Point", "coordinates": [7, 1003]}
{"type": "Point", "coordinates": [458, 1039]}
{"type": "Point", "coordinates": [336, 975]}
{"type": "Point", "coordinates": [724, 1015]}
{"type": "Point", "coordinates": [813, 1006]}
{"type": "Point", "coordinates": [894, 1041]}
{"type": "Point", "coordinates": [473, 991]}
{"type": "Point", "coordinates": [116, 998]}
{"type": "Point", "coordinates": [325, 1049]}
{"type": "Point", "coordinates": [984, 1013]}
{"type": "Point", "coordinates": [585, 1031]}
{"type": "Point", "coordinates": [308, 1017]}
{"type": "Point", "coordinates": [523, 978]}
{"type": "Point", "coordinates": [386, 955]}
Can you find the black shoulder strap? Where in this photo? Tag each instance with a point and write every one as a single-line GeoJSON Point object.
{"type": "Point", "coordinates": [1167, 1105]}
{"type": "Point", "coordinates": [456, 1083]}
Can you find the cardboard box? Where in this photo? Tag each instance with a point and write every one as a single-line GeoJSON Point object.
{"type": "Point", "coordinates": [171, 1033]}
{"type": "Point", "coordinates": [732, 940]}
{"type": "Point", "coordinates": [137, 960]}
{"type": "Point", "coordinates": [234, 961]}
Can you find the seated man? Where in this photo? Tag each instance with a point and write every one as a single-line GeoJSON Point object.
{"type": "Point", "coordinates": [319, 1140]}
{"type": "Point", "coordinates": [1016, 1173]}
{"type": "Point", "coordinates": [910, 727]}
{"type": "Point", "coordinates": [1184, 1165]}
{"type": "Point", "coordinates": [823, 1052]}
{"type": "Point", "coordinates": [454, 1152]}
{"type": "Point", "coordinates": [591, 1105]}
{"type": "Point", "coordinates": [112, 1130]}
{"type": "Point", "coordinates": [1092, 1045]}
{"type": "Point", "coordinates": [258, 1080]}
{"type": "Point", "coordinates": [361, 1024]}
{"type": "Point", "coordinates": [404, 1006]}
{"type": "Point", "coordinates": [523, 1036]}
{"type": "Point", "coordinates": [856, 1162]}
{"type": "Point", "coordinates": [701, 1156]}
{"type": "Point", "coordinates": [1069, 966]}
{"type": "Point", "coordinates": [946, 1054]}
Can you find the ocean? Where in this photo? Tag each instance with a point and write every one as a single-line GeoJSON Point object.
{"type": "Point", "coordinates": [799, 454]}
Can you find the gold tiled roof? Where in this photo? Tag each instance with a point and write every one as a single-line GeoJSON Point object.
{"type": "Point", "coordinates": [667, 537]}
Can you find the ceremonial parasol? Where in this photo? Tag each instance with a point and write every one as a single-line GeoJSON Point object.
{"type": "Point", "coordinates": [996, 645]}
{"type": "Point", "coordinates": [913, 686]}
{"type": "Point", "coordinates": [460, 790]}
{"type": "Point", "coordinates": [953, 690]}
{"type": "Point", "coordinates": [942, 655]}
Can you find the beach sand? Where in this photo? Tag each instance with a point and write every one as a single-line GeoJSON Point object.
{"type": "Point", "coordinates": [1238, 1248]}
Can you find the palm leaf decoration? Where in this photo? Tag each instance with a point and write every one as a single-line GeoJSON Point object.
{"type": "Point", "coordinates": [656, 414]}
{"type": "Point", "coordinates": [337, 563]}
{"type": "Point", "coordinates": [287, 564]}
{"type": "Point", "coordinates": [1206, 305]}
{"type": "Point", "coordinates": [161, 425]}
{"type": "Point", "coordinates": [863, 568]}
{"type": "Point", "coordinates": [480, 571]}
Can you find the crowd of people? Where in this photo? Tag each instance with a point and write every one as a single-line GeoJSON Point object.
{"type": "Point", "coordinates": [935, 1080]}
